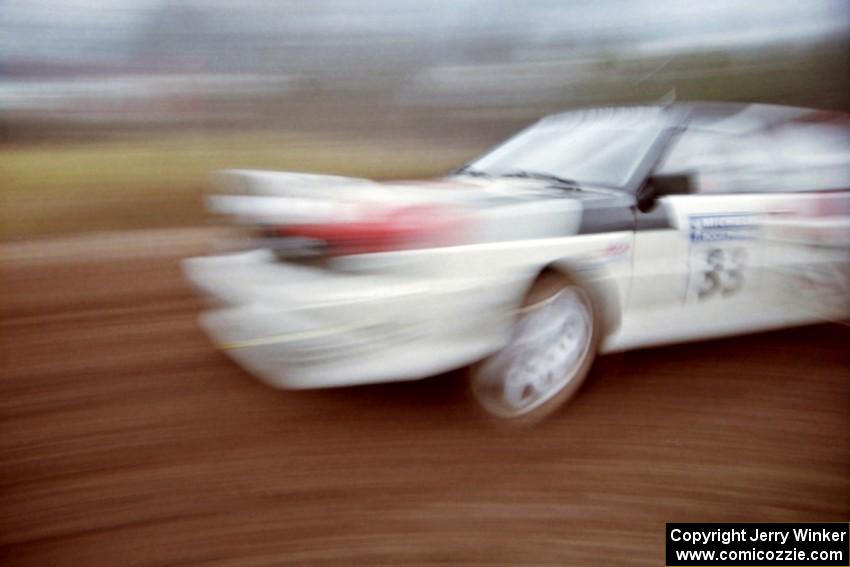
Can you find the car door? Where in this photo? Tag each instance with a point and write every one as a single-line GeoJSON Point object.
{"type": "Point", "coordinates": [700, 264]}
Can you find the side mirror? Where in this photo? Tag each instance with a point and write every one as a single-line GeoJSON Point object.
{"type": "Point", "coordinates": [659, 185]}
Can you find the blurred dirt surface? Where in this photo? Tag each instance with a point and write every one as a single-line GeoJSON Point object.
{"type": "Point", "coordinates": [128, 440]}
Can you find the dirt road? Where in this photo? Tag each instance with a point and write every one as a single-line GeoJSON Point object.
{"type": "Point", "coordinates": [127, 440]}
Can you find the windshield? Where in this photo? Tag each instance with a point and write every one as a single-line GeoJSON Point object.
{"type": "Point", "coordinates": [604, 153]}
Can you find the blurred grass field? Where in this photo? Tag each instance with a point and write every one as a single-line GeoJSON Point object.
{"type": "Point", "coordinates": [62, 180]}
{"type": "Point", "coordinates": [61, 188]}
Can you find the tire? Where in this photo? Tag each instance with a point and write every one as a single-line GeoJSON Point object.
{"type": "Point", "coordinates": [552, 348]}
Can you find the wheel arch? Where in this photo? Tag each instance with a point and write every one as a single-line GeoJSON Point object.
{"type": "Point", "coordinates": [602, 292]}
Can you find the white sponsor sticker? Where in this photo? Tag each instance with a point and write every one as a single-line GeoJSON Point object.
{"type": "Point", "coordinates": [720, 227]}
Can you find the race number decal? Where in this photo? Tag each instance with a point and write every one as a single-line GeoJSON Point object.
{"type": "Point", "coordinates": [717, 261]}
{"type": "Point", "coordinates": [717, 272]}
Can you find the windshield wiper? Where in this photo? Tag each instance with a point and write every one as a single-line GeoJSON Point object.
{"type": "Point", "coordinates": [525, 174]}
{"type": "Point", "coordinates": [469, 170]}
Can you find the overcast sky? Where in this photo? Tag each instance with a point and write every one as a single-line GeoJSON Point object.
{"type": "Point", "coordinates": [75, 30]}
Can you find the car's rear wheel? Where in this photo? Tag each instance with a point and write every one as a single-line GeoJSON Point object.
{"type": "Point", "coordinates": [551, 350]}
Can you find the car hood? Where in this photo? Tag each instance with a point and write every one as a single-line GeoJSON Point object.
{"type": "Point", "coordinates": [266, 192]}
{"type": "Point", "coordinates": [497, 208]}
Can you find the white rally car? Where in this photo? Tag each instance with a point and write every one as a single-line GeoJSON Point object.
{"type": "Point", "coordinates": [589, 232]}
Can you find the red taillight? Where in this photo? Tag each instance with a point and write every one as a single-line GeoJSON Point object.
{"type": "Point", "coordinates": [418, 226]}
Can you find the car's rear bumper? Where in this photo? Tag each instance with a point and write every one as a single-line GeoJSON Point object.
{"type": "Point", "coordinates": [300, 327]}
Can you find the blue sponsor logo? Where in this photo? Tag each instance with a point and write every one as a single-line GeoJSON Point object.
{"type": "Point", "coordinates": [719, 227]}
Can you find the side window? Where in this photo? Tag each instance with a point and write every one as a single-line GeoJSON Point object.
{"type": "Point", "coordinates": [812, 157]}
{"type": "Point", "coordinates": [789, 158]}
{"type": "Point", "coordinates": [720, 162]}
